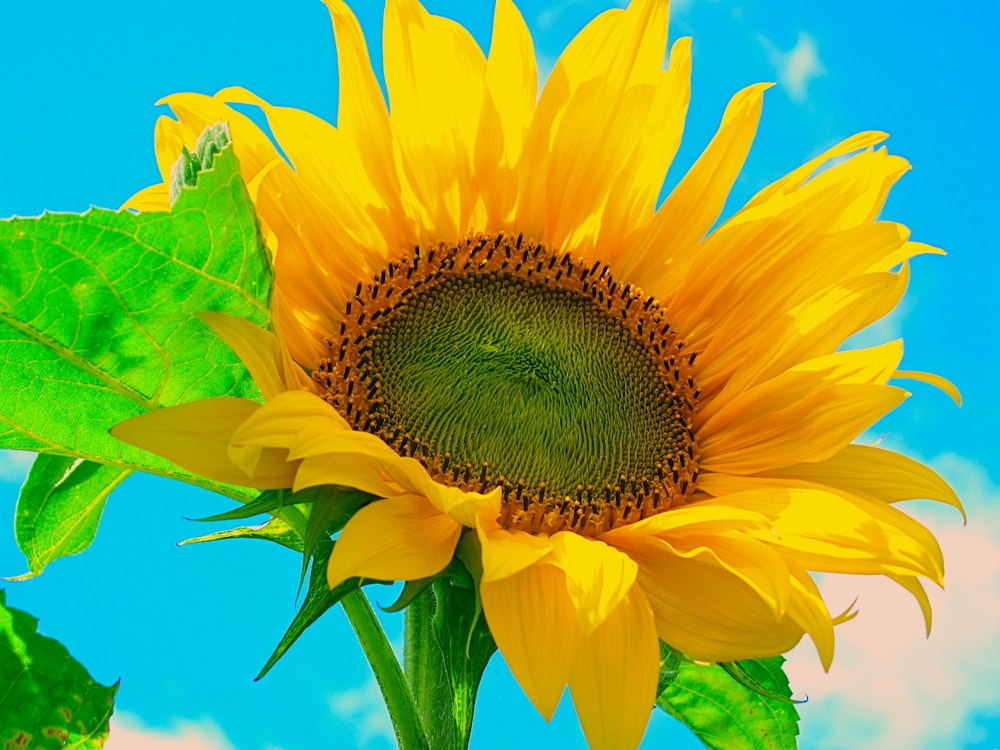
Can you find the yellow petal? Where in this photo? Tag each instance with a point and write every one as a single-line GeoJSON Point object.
{"type": "Point", "coordinates": [913, 585]}
{"type": "Point", "coordinates": [511, 87]}
{"type": "Point", "coordinates": [931, 379]}
{"type": "Point", "coordinates": [794, 179]}
{"type": "Point", "coordinates": [613, 682]}
{"type": "Point", "coordinates": [598, 577]}
{"type": "Point", "coordinates": [703, 608]}
{"type": "Point", "coordinates": [399, 539]}
{"type": "Point", "coordinates": [533, 622]}
{"type": "Point", "coordinates": [506, 553]}
{"type": "Point", "coordinates": [196, 437]}
{"type": "Point", "coordinates": [838, 533]}
{"type": "Point", "coordinates": [814, 427]}
{"type": "Point", "coordinates": [154, 198]}
{"type": "Point", "coordinates": [878, 474]}
{"type": "Point", "coordinates": [591, 118]}
{"type": "Point", "coordinates": [257, 349]}
{"type": "Point", "coordinates": [807, 609]}
{"type": "Point", "coordinates": [253, 148]}
{"type": "Point", "coordinates": [362, 117]}
{"type": "Point", "coordinates": [435, 73]}
{"type": "Point", "coordinates": [696, 203]}
{"type": "Point", "coordinates": [813, 328]}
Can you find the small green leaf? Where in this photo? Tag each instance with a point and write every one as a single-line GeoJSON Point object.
{"type": "Point", "coordinates": [725, 714]}
{"type": "Point", "coordinates": [319, 598]}
{"type": "Point", "coordinates": [60, 506]}
{"type": "Point", "coordinates": [47, 698]}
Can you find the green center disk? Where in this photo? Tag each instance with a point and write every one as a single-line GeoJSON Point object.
{"type": "Point", "coordinates": [537, 382]}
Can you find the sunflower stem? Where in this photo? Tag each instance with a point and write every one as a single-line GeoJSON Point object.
{"type": "Point", "coordinates": [391, 681]}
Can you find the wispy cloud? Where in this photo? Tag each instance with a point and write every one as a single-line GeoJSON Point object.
{"type": "Point", "coordinates": [129, 733]}
{"type": "Point", "coordinates": [797, 67]}
{"type": "Point", "coordinates": [14, 465]}
{"type": "Point", "coordinates": [890, 687]}
{"type": "Point", "coordinates": [364, 709]}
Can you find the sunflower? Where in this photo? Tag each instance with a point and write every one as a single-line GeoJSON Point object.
{"type": "Point", "coordinates": [482, 318]}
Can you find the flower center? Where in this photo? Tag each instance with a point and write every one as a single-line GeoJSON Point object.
{"type": "Point", "coordinates": [497, 363]}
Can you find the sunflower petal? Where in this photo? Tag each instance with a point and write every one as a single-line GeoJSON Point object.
{"type": "Point", "coordinates": [703, 609]}
{"type": "Point", "coordinates": [839, 533]}
{"type": "Point", "coordinates": [915, 587]}
{"type": "Point", "coordinates": [196, 437]}
{"type": "Point", "coordinates": [598, 577]}
{"type": "Point", "coordinates": [807, 609]}
{"type": "Point", "coordinates": [931, 379]}
{"type": "Point", "coordinates": [257, 349]}
{"type": "Point", "coordinates": [613, 683]}
{"type": "Point", "coordinates": [876, 473]}
{"type": "Point", "coordinates": [435, 125]}
{"type": "Point", "coordinates": [696, 203]}
{"type": "Point", "coordinates": [511, 86]}
{"type": "Point", "coordinates": [506, 553]}
{"type": "Point", "coordinates": [399, 539]}
{"type": "Point", "coordinates": [534, 624]}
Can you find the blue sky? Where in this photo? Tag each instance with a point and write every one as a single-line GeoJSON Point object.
{"type": "Point", "coordinates": [187, 628]}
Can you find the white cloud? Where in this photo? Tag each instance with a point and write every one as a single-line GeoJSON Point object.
{"type": "Point", "coordinates": [890, 686]}
{"type": "Point", "coordinates": [129, 733]}
{"type": "Point", "coordinates": [796, 67]}
{"type": "Point", "coordinates": [14, 465]}
{"type": "Point", "coordinates": [364, 708]}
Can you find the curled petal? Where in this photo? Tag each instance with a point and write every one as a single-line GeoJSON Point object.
{"type": "Point", "coordinates": [196, 436]}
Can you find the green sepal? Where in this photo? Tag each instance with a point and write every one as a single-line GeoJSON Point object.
{"type": "Point", "coordinates": [447, 647]}
{"type": "Point", "coordinates": [276, 530]}
{"type": "Point", "coordinates": [670, 667]}
{"type": "Point", "coordinates": [47, 698]}
{"type": "Point", "coordinates": [331, 507]}
{"type": "Point", "coordinates": [725, 714]}
{"type": "Point", "coordinates": [60, 506]}
{"type": "Point", "coordinates": [411, 590]}
{"type": "Point", "coordinates": [739, 672]}
{"type": "Point", "coordinates": [268, 501]}
{"type": "Point", "coordinates": [319, 598]}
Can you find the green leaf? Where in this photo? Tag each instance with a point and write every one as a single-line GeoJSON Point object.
{"type": "Point", "coordinates": [319, 598]}
{"type": "Point", "coordinates": [727, 715]}
{"type": "Point", "coordinates": [98, 318]}
{"type": "Point", "coordinates": [47, 698]}
{"type": "Point", "coordinates": [60, 506]}
{"type": "Point", "coordinates": [98, 323]}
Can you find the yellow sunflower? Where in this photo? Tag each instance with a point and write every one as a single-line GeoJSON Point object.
{"type": "Point", "coordinates": [482, 318]}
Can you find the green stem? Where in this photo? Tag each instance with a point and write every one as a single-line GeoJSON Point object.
{"type": "Point", "coordinates": [397, 696]}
